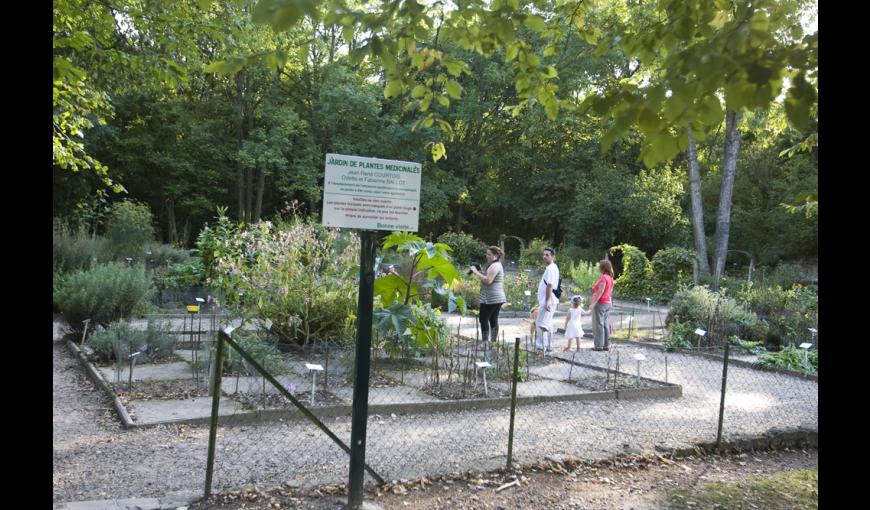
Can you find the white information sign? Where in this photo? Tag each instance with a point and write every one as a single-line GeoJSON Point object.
{"type": "Point", "coordinates": [371, 194]}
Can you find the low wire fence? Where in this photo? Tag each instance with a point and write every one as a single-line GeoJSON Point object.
{"type": "Point", "coordinates": [450, 410]}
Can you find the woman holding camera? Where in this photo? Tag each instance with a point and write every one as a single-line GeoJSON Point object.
{"type": "Point", "coordinates": [491, 292]}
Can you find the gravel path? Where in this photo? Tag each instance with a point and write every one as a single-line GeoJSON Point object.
{"type": "Point", "coordinates": [94, 458]}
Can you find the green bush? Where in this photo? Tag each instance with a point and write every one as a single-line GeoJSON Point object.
{"type": "Point", "coordinates": [164, 255]}
{"type": "Point", "coordinates": [103, 293]}
{"type": "Point", "coordinates": [465, 248]}
{"type": "Point", "coordinates": [469, 288]}
{"type": "Point", "coordinates": [530, 258]}
{"type": "Point", "coordinates": [160, 339]}
{"type": "Point", "coordinates": [785, 275]}
{"type": "Point", "coordinates": [680, 336]}
{"type": "Point", "coordinates": [583, 275]}
{"type": "Point", "coordinates": [74, 251]}
{"type": "Point", "coordinates": [745, 346]}
{"type": "Point", "coordinates": [295, 276]}
{"type": "Point", "coordinates": [185, 275]}
{"type": "Point", "coordinates": [787, 313]}
{"type": "Point", "coordinates": [790, 358]}
{"type": "Point", "coordinates": [156, 342]}
{"type": "Point", "coordinates": [264, 353]}
{"type": "Point", "coordinates": [515, 285]}
{"type": "Point", "coordinates": [635, 282]}
{"type": "Point", "coordinates": [129, 227]}
{"type": "Point", "coordinates": [672, 269]}
{"type": "Point", "coordinates": [707, 309]}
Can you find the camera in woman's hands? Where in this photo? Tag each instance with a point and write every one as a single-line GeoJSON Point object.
{"type": "Point", "coordinates": [476, 266]}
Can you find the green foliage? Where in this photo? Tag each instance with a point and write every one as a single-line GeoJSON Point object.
{"type": "Point", "coordinates": [635, 282]}
{"type": "Point", "coordinates": [583, 274]}
{"type": "Point", "coordinates": [672, 269]}
{"type": "Point", "coordinates": [469, 289]}
{"type": "Point", "coordinates": [214, 242]}
{"type": "Point", "coordinates": [680, 336]}
{"type": "Point", "coordinates": [74, 251]}
{"type": "Point", "coordinates": [791, 358]}
{"type": "Point", "coordinates": [130, 227]}
{"type": "Point", "coordinates": [104, 293]}
{"type": "Point", "coordinates": [464, 248]}
{"type": "Point", "coordinates": [515, 287]}
{"type": "Point", "coordinates": [156, 342]}
{"type": "Point", "coordinates": [530, 258]}
{"type": "Point", "coordinates": [264, 353]}
{"type": "Point", "coordinates": [788, 314]}
{"type": "Point", "coordinates": [785, 275]}
{"type": "Point", "coordinates": [298, 274]}
{"type": "Point", "coordinates": [710, 310]}
{"type": "Point", "coordinates": [165, 255]}
{"type": "Point", "coordinates": [181, 276]}
{"type": "Point", "coordinates": [747, 347]}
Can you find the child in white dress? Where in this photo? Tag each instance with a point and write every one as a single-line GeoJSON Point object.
{"type": "Point", "coordinates": [573, 329]}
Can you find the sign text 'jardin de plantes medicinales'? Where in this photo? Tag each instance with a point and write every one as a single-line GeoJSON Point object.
{"type": "Point", "coordinates": [371, 193]}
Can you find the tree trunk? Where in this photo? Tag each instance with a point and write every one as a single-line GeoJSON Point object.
{"type": "Point", "coordinates": [249, 195]}
{"type": "Point", "coordinates": [258, 207]}
{"type": "Point", "coordinates": [172, 232]}
{"type": "Point", "coordinates": [723, 218]}
{"type": "Point", "coordinates": [240, 171]}
{"type": "Point", "coordinates": [697, 206]}
{"type": "Point", "coordinates": [460, 210]}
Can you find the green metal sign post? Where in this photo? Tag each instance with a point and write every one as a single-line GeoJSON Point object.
{"type": "Point", "coordinates": [361, 375]}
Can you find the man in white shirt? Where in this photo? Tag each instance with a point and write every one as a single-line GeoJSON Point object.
{"type": "Point", "coordinates": [547, 301]}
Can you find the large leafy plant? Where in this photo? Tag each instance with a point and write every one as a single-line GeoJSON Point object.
{"type": "Point", "coordinates": [403, 314]}
{"type": "Point", "coordinates": [299, 275]}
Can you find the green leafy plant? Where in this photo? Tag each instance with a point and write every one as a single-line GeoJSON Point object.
{"type": "Point", "coordinates": [787, 313]}
{"type": "Point", "coordinates": [156, 342]}
{"type": "Point", "coordinates": [745, 346]}
{"type": "Point", "coordinates": [403, 311]}
{"type": "Point", "coordinates": [298, 274]}
{"type": "Point", "coordinates": [707, 309]}
{"type": "Point", "coordinates": [164, 255]}
{"type": "Point", "coordinates": [515, 287]}
{"type": "Point", "coordinates": [264, 353]}
{"type": "Point", "coordinates": [129, 227]}
{"type": "Point", "coordinates": [790, 358]}
{"type": "Point", "coordinates": [104, 293]}
{"type": "Point", "coordinates": [635, 282]}
{"type": "Point", "coordinates": [583, 275]}
{"type": "Point", "coordinates": [465, 248]}
{"type": "Point", "coordinates": [679, 336]}
{"type": "Point", "coordinates": [530, 258]}
{"type": "Point", "coordinates": [77, 250]}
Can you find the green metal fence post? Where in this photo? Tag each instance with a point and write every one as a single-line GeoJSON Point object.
{"type": "Point", "coordinates": [215, 407]}
{"type": "Point", "coordinates": [361, 375]}
{"type": "Point", "coordinates": [722, 399]}
{"type": "Point", "coordinates": [513, 401]}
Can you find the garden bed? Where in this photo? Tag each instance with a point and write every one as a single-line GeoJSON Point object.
{"type": "Point", "coordinates": [254, 401]}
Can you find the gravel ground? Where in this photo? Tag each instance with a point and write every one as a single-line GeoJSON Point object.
{"type": "Point", "coordinates": [628, 484]}
{"type": "Point", "coordinates": [95, 459]}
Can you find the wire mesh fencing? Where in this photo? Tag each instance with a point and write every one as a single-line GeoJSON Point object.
{"type": "Point", "coordinates": [446, 408]}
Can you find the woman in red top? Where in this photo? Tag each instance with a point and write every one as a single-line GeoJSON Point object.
{"type": "Point", "coordinates": [600, 307]}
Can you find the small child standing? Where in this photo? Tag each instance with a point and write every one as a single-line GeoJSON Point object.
{"type": "Point", "coordinates": [573, 329]}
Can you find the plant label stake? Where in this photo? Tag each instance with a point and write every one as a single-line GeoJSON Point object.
{"type": "Point", "coordinates": [806, 346]}
{"type": "Point", "coordinates": [639, 357]}
{"type": "Point", "coordinates": [482, 366]}
{"type": "Point", "coordinates": [700, 332]}
{"type": "Point", "coordinates": [313, 369]}
{"type": "Point", "coordinates": [84, 335]}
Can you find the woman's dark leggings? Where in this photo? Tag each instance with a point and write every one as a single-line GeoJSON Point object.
{"type": "Point", "coordinates": [489, 321]}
